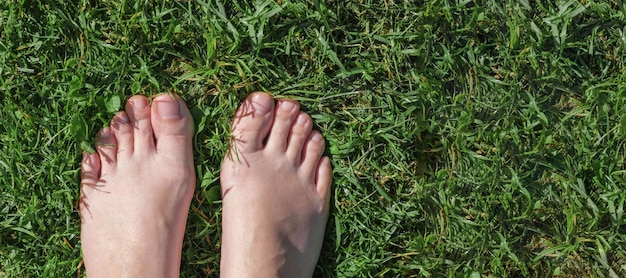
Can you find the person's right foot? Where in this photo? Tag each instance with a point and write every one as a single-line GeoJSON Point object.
{"type": "Point", "coordinates": [275, 190]}
{"type": "Point", "coordinates": [136, 190]}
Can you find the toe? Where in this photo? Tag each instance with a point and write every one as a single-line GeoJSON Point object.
{"type": "Point", "coordinates": [107, 149]}
{"type": "Point", "coordinates": [89, 170]}
{"type": "Point", "coordinates": [138, 110]}
{"type": "Point", "coordinates": [299, 133]}
{"type": "Point", "coordinates": [286, 112]}
{"type": "Point", "coordinates": [323, 180]}
{"type": "Point", "coordinates": [252, 123]}
{"type": "Point", "coordinates": [123, 131]}
{"type": "Point", "coordinates": [89, 176]}
{"type": "Point", "coordinates": [173, 127]}
{"type": "Point", "coordinates": [311, 154]}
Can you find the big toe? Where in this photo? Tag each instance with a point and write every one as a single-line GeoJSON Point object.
{"type": "Point", "coordinates": [252, 122]}
{"type": "Point", "coordinates": [173, 127]}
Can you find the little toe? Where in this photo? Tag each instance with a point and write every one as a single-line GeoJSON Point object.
{"type": "Point", "coordinates": [89, 170]}
{"type": "Point", "coordinates": [285, 115]}
{"type": "Point", "coordinates": [106, 145]}
{"type": "Point", "coordinates": [173, 127]}
{"type": "Point", "coordinates": [89, 176]}
{"type": "Point", "coordinates": [121, 127]}
{"type": "Point", "coordinates": [252, 122]}
{"type": "Point", "coordinates": [299, 133]}
{"type": "Point", "coordinates": [138, 110]}
{"type": "Point", "coordinates": [312, 153]}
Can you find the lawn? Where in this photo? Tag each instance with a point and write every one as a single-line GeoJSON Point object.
{"type": "Point", "coordinates": [468, 138]}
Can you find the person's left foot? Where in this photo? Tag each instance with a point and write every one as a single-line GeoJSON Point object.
{"type": "Point", "coordinates": [136, 191]}
{"type": "Point", "coordinates": [275, 191]}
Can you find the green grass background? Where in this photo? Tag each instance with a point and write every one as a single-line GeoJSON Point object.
{"type": "Point", "coordinates": [469, 138]}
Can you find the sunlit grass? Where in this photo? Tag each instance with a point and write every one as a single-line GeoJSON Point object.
{"type": "Point", "coordinates": [468, 138]}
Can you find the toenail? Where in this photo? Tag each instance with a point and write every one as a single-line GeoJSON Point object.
{"type": "Point", "coordinates": [168, 108]}
{"type": "Point", "coordinates": [316, 137]}
{"type": "Point", "coordinates": [140, 102]}
{"type": "Point", "coordinates": [105, 132]}
{"type": "Point", "coordinates": [301, 119]}
{"type": "Point", "coordinates": [261, 107]}
{"type": "Point", "coordinates": [287, 105]}
{"type": "Point", "coordinates": [122, 118]}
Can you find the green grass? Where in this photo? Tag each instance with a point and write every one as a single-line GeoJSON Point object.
{"type": "Point", "coordinates": [468, 138]}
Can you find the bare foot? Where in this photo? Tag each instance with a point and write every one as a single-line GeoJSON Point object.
{"type": "Point", "coordinates": [136, 190]}
{"type": "Point", "coordinates": [275, 189]}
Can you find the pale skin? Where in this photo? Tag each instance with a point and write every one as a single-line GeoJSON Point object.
{"type": "Point", "coordinates": [137, 187]}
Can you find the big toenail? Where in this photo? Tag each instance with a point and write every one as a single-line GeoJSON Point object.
{"type": "Point", "coordinates": [287, 105]}
{"type": "Point", "coordinates": [301, 119]}
{"type": "Point", "coordinates": [168, 108]}
{"type": "Point", "coordinates": [260, 107]}
{"type": "Point", "coordinates": [140, 102]}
